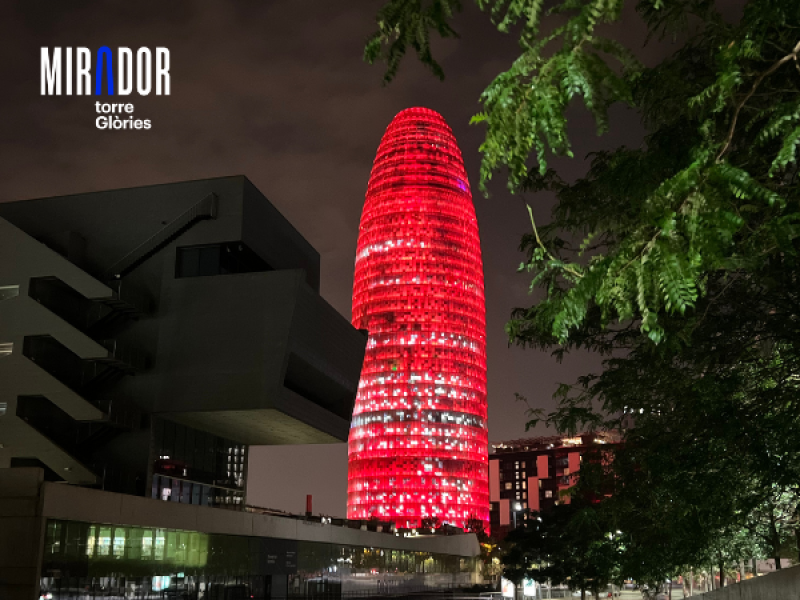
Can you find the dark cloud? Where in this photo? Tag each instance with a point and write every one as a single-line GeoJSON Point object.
{"type": "Point", "coordinates": [277, 90]}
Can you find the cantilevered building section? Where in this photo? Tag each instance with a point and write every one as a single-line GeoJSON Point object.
{"type": "Point", "coordinates": [418, 440]}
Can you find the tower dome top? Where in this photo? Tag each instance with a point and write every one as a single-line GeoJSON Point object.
{"type": "Point", "coordinates": [418, 147]}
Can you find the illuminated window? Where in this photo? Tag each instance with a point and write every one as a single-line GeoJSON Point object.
{"type": "Point", "coordinates": [8, 291]}
{"type": "Point", "coordinates": [104, 541]}
{"type": "Point", "coordinates": [548, 493]}
{"type": "Point", "coordinates": [119, 542]}
{"type": "Point", "coordinates": [53, 541]}
{"type": "Point", "coordinates": [508, 485]}
{"type": "Point", "coordinates": [158, 550]}
{"type": "Point", "coordinates": [90, 541]}
{"type": "Point", "coordinates": [147, 543]}
{"type": "Point", "coordinates": [6, 349]}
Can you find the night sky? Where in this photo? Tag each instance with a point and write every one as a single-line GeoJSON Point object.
{"type": "Point", "coordinates": [277, 90]}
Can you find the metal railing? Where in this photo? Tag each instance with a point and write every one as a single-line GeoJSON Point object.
{"type": "Point", "coordinates": [126, 296]}
{"type": "Point", "coordinates": [205, 209]}
{"type": "Point", "coordinates": [125, 355]}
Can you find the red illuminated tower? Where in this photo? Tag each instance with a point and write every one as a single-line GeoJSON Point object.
{"type": "Point", "coordinates": [418, 440]}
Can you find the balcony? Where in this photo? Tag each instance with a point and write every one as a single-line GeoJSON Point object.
{"type": "Point", "coordinates": [99, 318]}
{"type": "Point", "coordinates": [85, 377]}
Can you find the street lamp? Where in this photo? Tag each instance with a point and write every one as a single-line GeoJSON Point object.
{"type": "Point", "coordinates": [515, 509]}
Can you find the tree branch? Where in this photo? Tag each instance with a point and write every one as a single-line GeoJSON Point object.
{"type": "Point", "coordinates": [791, 56]}
{"type": "Point", "coordinates": [569, 269]}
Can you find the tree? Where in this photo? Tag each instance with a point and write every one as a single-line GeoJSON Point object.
{"type": "Point", "coordinates": [488, 544]}
{"type": "Point", "coordinates": [570, 544]}
{"type": "Point", "coordinates": [476, 526]}
{"type": "Point", "coordinates": [716, 421]}
{"type": "Point", "coordinates": [431, 523]}
{"type": "Point", "coordinates": [775, 522]}
{"type": "Point", "coordinates": [719, 189]}
{"type": "Point", "coordinates": [679, 259]}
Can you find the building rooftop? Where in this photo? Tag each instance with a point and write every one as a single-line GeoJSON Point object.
{"type": "Point", "coordinates": [556, 441]}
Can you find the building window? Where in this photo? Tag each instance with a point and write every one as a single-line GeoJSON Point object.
{"type": "Point", "coordinates": [523, 464]}
{"type": "Point", "coordinates": [518, 485]}
{"type": "Point", "coordinates": [8, 291]}
{"type": "Point", "coordinates": [217, 259]}
{"type": "Point", "coordinates": [6, 349]}
{"type": "Point", "coordinates": [508, 485]}
{"type": "Point", "coordinates": [3, 408]}
{"type": "Point", "coordinates": [104, 541]}
{"type": "Point", "coordinates": [90, 541]}
{"type": "Point", "coordinates": [119, 542]}
{"type": "Point", "coordinates": [517, 475]}
{"type": "Point", "coordinates": [548, 493]}
{"type": "Point", "coordinates": [524, 486]}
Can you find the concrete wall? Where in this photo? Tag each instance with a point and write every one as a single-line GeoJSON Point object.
{"type": "Point", "coordinates": [95, 506]}
{"type": "Point", "coordinates": [781, 585]}
{"type": "Point", "coordinates": [21, 316]}
{"type": "Point", "coordinates": [21, 533]}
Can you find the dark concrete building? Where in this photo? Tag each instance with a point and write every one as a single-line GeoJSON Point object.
{"type": "Point", "coordinates": [151, 334]}
{"type": "Point", "coordinates": [530, 475]}
{"type": "Point", "coordinates": [148, 336]}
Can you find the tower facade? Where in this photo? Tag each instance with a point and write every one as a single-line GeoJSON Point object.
{"type": "Point", "coordinates": [418, 442]}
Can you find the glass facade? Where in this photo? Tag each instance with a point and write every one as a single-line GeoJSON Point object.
{"type": "Point", "coordinates": [195, 467]}
{"type": "Point", "coordinates": [87, 560]}
{"type": "Point", "coordinates": [418, 443]}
